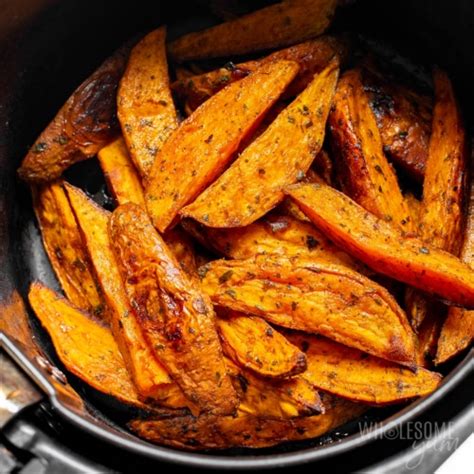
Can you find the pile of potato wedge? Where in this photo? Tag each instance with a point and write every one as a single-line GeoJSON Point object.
{"type": "Point", "coordinates": [265, 275]}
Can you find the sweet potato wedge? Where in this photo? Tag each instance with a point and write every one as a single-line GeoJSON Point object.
{"type": "Point", "coordinates": [120, 173]}
{"type": "Point", "coordinates": [383, 247]}
{"type": "Point", "coordinates": [404, 120]}
{"type": "Point", "coordinates": [273, 234]}
{"type": "Point", "coordinates": [285, 398]}
{"type": "Point", "coordinates": [283, 24]}
{"type": "Point", "coordinates": [414, 206]}
{"type": "Point", "coordinates": [243, 430]}
{"type": "Point", "coordinates": [457, 332]}
{"type": "Point", "coordinates": [314, 296]}
{"type": "Point", "coordinates": [145, 106]}
{"type": "Point", "coordinates": [205, 142]}
{"type": "Point", "coordinates": [148, 375]}
{"type": "Point", "coordinates": [444, 186]}
{"type": "Point", "coordinates": [177, 319]}
{"type": "Point", "coordinates": [280, 156]}
{"type": "Point", "coordinates": [351, 374]}
{"type": "Point", "coordinates": [84, 125]}
{"type": "Point", "coordinates": [84, 346]}
{"type": "Point", "coordinates": [252, 343]}
{"type": "Point", "coordinates": [363, 171]}
{"type": "Point", "coordinates": [64, 246]}
{"type": "Point", "coordinates": [312, 56]}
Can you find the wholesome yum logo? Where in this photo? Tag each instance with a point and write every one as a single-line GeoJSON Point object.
{"type": "Point", "coordinates": [438, 437]}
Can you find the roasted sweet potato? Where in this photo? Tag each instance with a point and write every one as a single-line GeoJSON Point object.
{"type": "Point", "coordinates": [120, 173]}
{"type": "Point", "coordinates": [145, 106]}
{"type": "Point", "coordinates": [252, 343]}
{"type": "Point", "coordinates": [85, 347]}
{"type": "Point", "coordinates": [273, 234]}
{"type": "Point", "coordinates": [457, 332]}
{"type": "Point", "coordinates": [177, 319]}
{"type": "Point", "coordinates": [202, 146]}
{"type": "Point", "coordinates": [362, 169]}
{"type": "Point", "coordinates": [65, 248]}
{"type": "Point", "coordinates": [283, 24]}
{"type": "Point", "coordinates": [351, 374]}
{"type": "Point", "coordinates": [285, 398]}
{"type": "Point", "coordinates": [182, 248]}
{"type": "Point", "coordinates": [243, 430]}
{"type": "Point", "coordinates": [314, 296]}
{"type": "Point", "coordinates": [312, 56]}
{"type": "Point", "coordinates": [148, 375]}
{"type": "Point", "coordinates": [84, 125]}
{"type": "Point", "coordinates": [383, 247]}
{"type": "Point", "coordinates": [403, 118]}
{"type": "Point", "coordinates": [444, 186]}
{"type": "Point", "coordinates": [428, 335]}
{"type": "Point", "coordinates": [280, 156]}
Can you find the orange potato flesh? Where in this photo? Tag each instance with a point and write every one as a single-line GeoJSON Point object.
{"type": "Point", "coordinates": [252, 343]}
{"type": "Point", "coordinates": [206, 141]}
{"type": "Point", "coordinates": [177, 320]}
{"type": "Point", "coordinates": [444, 186]}
{"type": "Point", "coordinates": [83, 125]}
{"type": "Point", "coordinates": [362, 168]}
{"type": "Point", "coordinates": [147, 373]}
{"type": "Point", "coordinates": [145, 106]}
{"type": "Point", "coordinates": [85, 347]}
{"type": "Point", "coordinates": [457, 332]}
{"type": "Point", "coordinates": [351, 374]}
{"type": "Point", "coordinates": [120, 173]}
{"type": "Point", "coordinates": [243, 430]}
{"type": "Point", "coordinates": [283, 24]}
{"type": "Point", "coordinates": [314, 296]}
{"type": "Point", "coordinates": [66, 251]}
{"type": "Point", "coordinates": [273, 234]}
{"type": "Point", "coordinates": [182, 247]}
{"type": "Point", "coordinates": [280, 156]}
{"type": "Point", "coordinates": [312, 56]}
{"type": "Point", "coordinates": [383, 247]}
{"type": "Point", "coordinates": [285, 398]}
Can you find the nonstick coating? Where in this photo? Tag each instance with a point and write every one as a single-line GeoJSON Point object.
{"type": "Point", "coordinates": [48, 49]}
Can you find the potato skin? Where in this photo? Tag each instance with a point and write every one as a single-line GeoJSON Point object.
{"type": "Point", "coordinates": [148, 375]}
{"type": "Point", "coordinates": [283, 24]}
{"type": "Point", "coordinates": [65, 248]}
{"type": "Point", "coordinates": [312, 56]}
{"type": "Point", "coordinates": [120, 173]}
{"type": "Point", "coordinates": [351, 374]}
{"type": "Point", "coordinates": [281, 155]}
{"type": "Point", "coordinates": [404, 120]}
{"type": "Point", "coordinates": [363, 171]}
{"type": "Point", "coordinates": [205, 142]}
{"type": "Point", "coordinates": [145, 105]}
{"type": "Point", "coordinates": [252, 343]}
{"type": "Point", "coordinates": [383, 247]}
{"type": "Point", "coordinates": [84, 124]}
{"type": "Point", "coordinates": [457, 332]}
{"type": "Point", "coordinates": [242, 430]}
{"type": "Point", "coordinates": [314, 296]}
{"type": "Point", "coordinates": [177, 320]}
